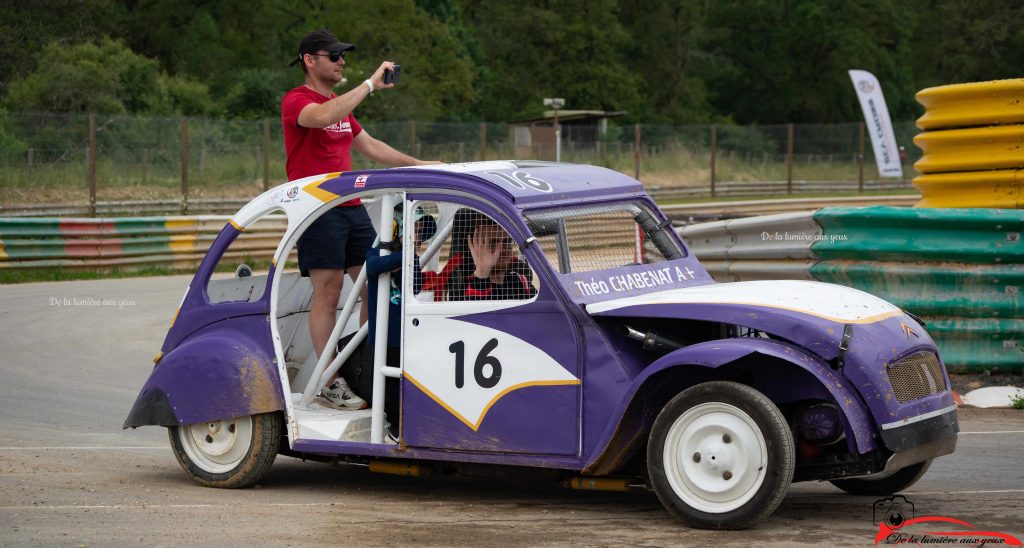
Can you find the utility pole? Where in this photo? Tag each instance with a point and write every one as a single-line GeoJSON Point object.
{"type": "Point", "coordinates": [556, 104]}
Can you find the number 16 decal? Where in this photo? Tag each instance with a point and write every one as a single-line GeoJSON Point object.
{"type": "Point", "coordinates": [483, 358]}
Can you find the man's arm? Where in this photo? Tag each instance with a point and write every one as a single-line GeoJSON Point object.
{"type": "Point", "coordinates": [377, 265]}
{"type": "Point", "coordinates": [382, 153]}
{"type": "Point", "coordinates": [331, 112]}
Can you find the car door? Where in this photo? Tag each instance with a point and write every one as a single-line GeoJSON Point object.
{"type": "Point", "coordinates": [501, 374]}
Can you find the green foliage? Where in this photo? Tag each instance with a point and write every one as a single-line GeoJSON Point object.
{"type": "Point", "coordinates": [106, 77]}
{"type": "Point", "coordinates": [1017, 400]}
{"type": "Point", "coordinates": [10, 146]}
{"type": "Point", "coordinates": [682, 62]}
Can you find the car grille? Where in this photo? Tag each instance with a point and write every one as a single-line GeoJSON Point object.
{"type": "Point", "coordinates": [916, 376]}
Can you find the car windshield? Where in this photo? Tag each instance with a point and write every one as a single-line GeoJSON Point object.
{"type": "Point", "coordinates": [588, 238]}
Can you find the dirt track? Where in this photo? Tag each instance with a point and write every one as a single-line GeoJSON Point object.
{"type": "Point", "coordinates": [70, 476]}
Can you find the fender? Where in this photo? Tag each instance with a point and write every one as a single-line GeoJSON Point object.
{"type": "Point", "coordinates": [714, 354]}
{"type": "Point", "coordinates": [225, 370]}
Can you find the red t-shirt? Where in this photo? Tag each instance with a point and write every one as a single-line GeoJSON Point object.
{"type": "Point", "coordinates": [313, 151]}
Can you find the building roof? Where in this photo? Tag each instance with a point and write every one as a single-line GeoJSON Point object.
{"type": "Point", "coordinates": [567, 116]}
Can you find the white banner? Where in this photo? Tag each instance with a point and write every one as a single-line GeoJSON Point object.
{"type": "Point", "coordinates": [876, 116]}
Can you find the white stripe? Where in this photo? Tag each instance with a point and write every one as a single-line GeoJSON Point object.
{"type": "Point", "coordinates": [82, 448]}
{"type": "Point", "coordinates": [993, 432]}
{"type": "Point", "coordinates": [965, 492]}
{"type": "Point", "coordinates": [918, 418]}
{"type": "Point", "coordinates": [144, 506]}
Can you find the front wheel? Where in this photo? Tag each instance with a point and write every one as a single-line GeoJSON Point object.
{"type": "Point", "coordinates": [880, 487]}
{"type": "Point", "coordinates": [227, 453]}
{"type": "Point", "coordinates": [720, 456]}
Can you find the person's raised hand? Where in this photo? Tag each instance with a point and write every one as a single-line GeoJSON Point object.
{"type": "Point", "coordinates": [485, 255]}
{"type": "Point", "coordinates": [378, 77]}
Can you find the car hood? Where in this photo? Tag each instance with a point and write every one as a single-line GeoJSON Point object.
{"type": "Point", "coordinates": [813, 315]}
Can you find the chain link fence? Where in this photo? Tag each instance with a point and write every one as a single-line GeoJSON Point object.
{"type": "Point", "coordinates": [85, 163]}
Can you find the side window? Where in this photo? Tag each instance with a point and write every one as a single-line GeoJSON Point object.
{"type": "Point", "coordinates": [595, 238]}
{"type": "Point", "coordinates": [241, 272]}
{"type": "Point", "coordinates": [470, 257]}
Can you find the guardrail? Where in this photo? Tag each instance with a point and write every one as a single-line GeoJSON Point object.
{"type": "Point", "coordinates": [962, 270]}
{"type": "Point", "coordinates": [176, 242]}
{"type": "Point", "coordinates": [217, 206]}
{"type": "Point", "coordinates": [971, 144]}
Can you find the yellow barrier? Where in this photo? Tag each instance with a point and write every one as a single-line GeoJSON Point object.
{"type": "Point", "coordinates": [974, 149]}
{"type": "Point", "coordinates": [973, 145]}
{"type": "Point", "coordinates": [976, 104]}
{"type": "Point", "coordinates": [994, 189]}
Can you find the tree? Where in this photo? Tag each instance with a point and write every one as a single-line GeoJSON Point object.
{"type": "Point", "coordinates": [670, 52]}
{"type": "Point", "coordinates": [104, 76]}
{"type": "Point", "coordinates": [559, 48]}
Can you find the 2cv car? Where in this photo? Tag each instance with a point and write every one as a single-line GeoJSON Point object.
{"type": "Point", "coordinates": [619, 363]}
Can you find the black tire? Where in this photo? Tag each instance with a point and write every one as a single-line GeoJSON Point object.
{"type": "Point", "coordinates": [749, 443]}
{"type": "Point", "coordinates": [230, 453]}
{"type": "Point", "coordinates": [894, 483]}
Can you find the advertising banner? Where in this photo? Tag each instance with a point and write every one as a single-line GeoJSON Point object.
{"type": "Point", "coordinates": [879, 125]}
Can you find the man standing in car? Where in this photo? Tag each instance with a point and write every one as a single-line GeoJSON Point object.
{"type": "Point", "coordinates": [319, 131]}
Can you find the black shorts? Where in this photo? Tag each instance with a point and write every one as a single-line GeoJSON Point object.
{"type": "Point", "coordinates": [338, 240]}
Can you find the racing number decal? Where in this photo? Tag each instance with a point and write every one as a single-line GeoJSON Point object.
{"type": "Point", "coordinates": [482, 359]}
{"type": "Point", "coordinates": [468, 375]}
{"type": "Point", "coordinates": [522, 180]}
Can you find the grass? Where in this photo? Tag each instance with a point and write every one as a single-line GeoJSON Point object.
{"type": "Point", "coordinates": [18, 276]}
{"type": "Point", "coordinates": [238, 172]}
{"type": "Point", "coordinates": [1017, 400]}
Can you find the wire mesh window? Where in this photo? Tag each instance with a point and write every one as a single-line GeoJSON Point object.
{"type": "Point", "coordinates": [601, 237]}
{"type": "Point", "coordinates": [471, 258]}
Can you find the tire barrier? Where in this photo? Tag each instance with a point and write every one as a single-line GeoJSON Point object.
{"type": "Point", "coordinates": [962, 270]}
{"type": "Point", "coordinates": [94, 244]}
{"type": "Point", "coordinates": [971, 144]}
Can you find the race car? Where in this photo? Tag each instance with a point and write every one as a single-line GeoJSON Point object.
{"type": "Point", "coordinates": [608, 355]}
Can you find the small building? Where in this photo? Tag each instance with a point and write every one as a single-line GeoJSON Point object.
{"type": "Point", "coordinates": [580, 128]}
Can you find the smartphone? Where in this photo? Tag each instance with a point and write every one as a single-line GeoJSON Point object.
{"type": "Point", "coordinates": [391, 77]}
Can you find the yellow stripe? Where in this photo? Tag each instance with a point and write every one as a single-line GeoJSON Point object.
{"type": "Point", "coordinates": [175, 318]}
{"type": "Point", "coordinates": [159, 356]}
{"type": "Point", "coordinates": [176, 224]}
{"type": "Point", "coordinates": [869, 319]}
{"type": "Point", "coordinates": [321, 194]}
{"type": "Point", "coordinates": [183, 243]}
{"type": "Point", "coordinates": [487, 408]}
{"type": "Point", "coordinates": [274, 262]}
{"type": "Point", "coordinates": [237, 226]}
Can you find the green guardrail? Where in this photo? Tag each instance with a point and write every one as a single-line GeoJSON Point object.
{"type": "Point", "coordinates": [961, 270]}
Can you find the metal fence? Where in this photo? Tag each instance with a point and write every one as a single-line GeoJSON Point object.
{"type": "Point", "coordinates": [84, 163]}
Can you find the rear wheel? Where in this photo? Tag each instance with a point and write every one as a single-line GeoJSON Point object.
{"type": "Point", "coordinates": [893, 483]}
{"type": "Point", "coordinates": [228, 453]}
{"type": "Point", "coordinates": [720, 456]}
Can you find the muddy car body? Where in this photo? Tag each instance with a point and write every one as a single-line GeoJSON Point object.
{"type": "Point", "coordinates": [628, 366]}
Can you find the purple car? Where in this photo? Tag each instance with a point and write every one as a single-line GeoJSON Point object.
{"type": "Point", "coordinates": [549, 317]}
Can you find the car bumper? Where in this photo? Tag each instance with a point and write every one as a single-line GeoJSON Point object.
{"type": "Point", "coordinates": [920, 438]}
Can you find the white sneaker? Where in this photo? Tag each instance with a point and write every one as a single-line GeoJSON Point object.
{"type": "Point", "coordinates": [339, 395]}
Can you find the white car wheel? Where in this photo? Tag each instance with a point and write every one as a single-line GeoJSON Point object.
{"type": "Point", "coordinates": [217, 446]}
{"type": "Point", "coordinates": [715, 457]}
{"type": "Point", "coordinates": [720, 455]}
{"type": "Point", "coordinates": [228, 453]}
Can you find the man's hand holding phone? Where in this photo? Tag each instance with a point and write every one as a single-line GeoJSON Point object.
{"type": "Point", "coordinates": [386, 75]}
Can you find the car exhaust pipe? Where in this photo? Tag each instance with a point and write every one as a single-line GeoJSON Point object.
{"type": "Point", "coordinates": [652, 341]}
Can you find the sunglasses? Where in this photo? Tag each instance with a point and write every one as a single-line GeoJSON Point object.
{"type": "Point", "coordinates": [332, 55]}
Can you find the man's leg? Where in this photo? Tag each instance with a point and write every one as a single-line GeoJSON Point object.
{"type": "Point", "coordinates": [327, 285]}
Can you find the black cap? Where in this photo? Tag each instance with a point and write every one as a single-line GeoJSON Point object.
{"type": "Point", "coordinates": [318, 40]}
